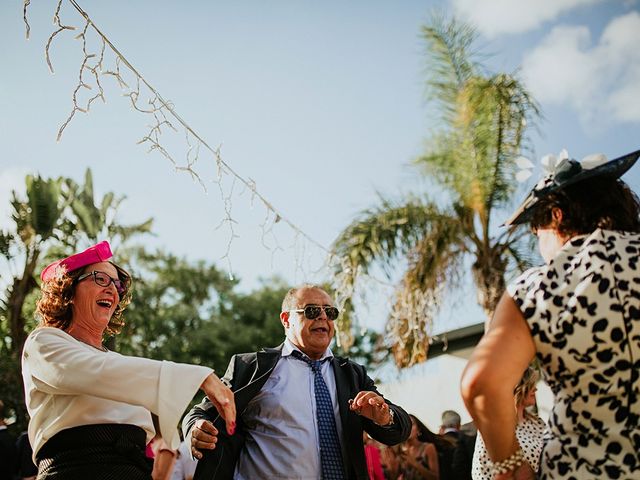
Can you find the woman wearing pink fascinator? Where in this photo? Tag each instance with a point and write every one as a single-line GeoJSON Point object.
{"type": "Point", "coordinates": [91, 409]}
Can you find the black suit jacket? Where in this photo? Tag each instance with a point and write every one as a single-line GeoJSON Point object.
{"type": "Point", "coordinates": [248, 372]}
{"type": "Point", "coordinates": [7, 455]}
{"type": "Point", "coordinates": [463, 457]}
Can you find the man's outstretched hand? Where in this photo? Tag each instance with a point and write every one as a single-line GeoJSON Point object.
{"type": "Point", "coordinates": [372, 406]}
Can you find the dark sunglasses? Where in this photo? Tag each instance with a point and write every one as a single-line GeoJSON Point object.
{"type": "Point", "coordinates": [312, 312]}
{"type": "Point", "coordinates": [104, 280]}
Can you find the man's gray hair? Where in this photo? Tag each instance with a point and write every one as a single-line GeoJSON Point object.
{"type": "Point", "coordinates": [450, 419]}
{"type": "Point", "coordinates": [289, 302]}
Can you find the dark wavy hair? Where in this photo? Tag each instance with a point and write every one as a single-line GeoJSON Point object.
{"type": "Point", "coordinates": [427, 436]}
{"type": "Point", "coordinates": [598, 202]}
{"type": "Point", "coordinates": [54, 305]}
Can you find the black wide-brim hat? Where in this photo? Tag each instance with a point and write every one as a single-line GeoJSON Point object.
{"type": "Point", "coordinates": [566, 173]}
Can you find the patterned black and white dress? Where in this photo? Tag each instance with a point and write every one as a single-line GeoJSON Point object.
{"type": "Point", "coordinates": [583, 310]}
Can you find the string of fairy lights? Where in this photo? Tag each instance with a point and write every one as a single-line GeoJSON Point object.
{"type": "Point", "coordinates": [146, 99]}
{"type": "Point", "coordinates": [101, 59]}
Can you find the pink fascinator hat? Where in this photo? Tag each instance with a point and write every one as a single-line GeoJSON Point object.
{"type": "Point", "coordinates": [100, 252]}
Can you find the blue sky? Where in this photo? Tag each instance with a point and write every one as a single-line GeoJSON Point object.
{"type": "Point", "coordinates": [320, 103]}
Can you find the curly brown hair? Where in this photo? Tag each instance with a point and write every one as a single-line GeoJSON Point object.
{"type": "Point", "coordinates": [54, 305]}
{"type": "Point", "coordinates": [598, 202]}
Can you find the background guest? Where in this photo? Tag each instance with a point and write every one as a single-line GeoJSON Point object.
{"type": "Point", "coordinates": [8, 454]}
{"type": "Point", "coordinates": [372, 454]}
{"type": "Point", "coordinates": [26, 468]}
{"type": "Point", "coordinates": [530, 429]}
{"type": "Point", "coordinates": [450, 429]}
{"type": "Point", "coordinates": [421, 452]}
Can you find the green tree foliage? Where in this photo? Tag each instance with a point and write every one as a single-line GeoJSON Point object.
{"type": "Point", "coordinates": [38, 219]}
{"type": "Point", "coordinates": [367, 349]}
{"type": "Point", "coordinates": [189, 312]}
{"type": "Point", "coordinates": [482, 120]}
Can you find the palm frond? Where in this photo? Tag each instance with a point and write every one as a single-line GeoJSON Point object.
{"type": "Point", "coordinates": [429, 239]}
{"type": "Point", "coordinates": [521, 261]}
{"type": "Point", "coordinates": [452, 162]}
{"type": "Point", "coordinates": [450, 61]}
{"type": "Point", "coordinates": [43, 198]}
{"type": "Point", "coordinates": [383, 233]}
{"type": "Point", "coordinates": [127, 231]}
{"type": "Point", "coordinates": [484, 120]}
{"type": "Point", "coordinates": [499, 110]}
{"type": "Point", "coordinates": [433, 263]}
{"type": "Point", "coordinates": [408, 328]}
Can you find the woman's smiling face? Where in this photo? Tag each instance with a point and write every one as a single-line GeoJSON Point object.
{"type": "Point", "coordinates": [93, 305]}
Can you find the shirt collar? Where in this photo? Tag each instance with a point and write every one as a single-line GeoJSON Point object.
{"type": "Point", "coordinates": [290, 347]}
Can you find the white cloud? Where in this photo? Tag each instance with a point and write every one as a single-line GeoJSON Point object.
{"type": "Point", "coordinates": [10, 179]}
{"type": "Point", "coordinates": [495, 17]}
{"type": "Point", "coordinates": [600, 80]}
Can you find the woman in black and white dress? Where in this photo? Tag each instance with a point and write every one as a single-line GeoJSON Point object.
{"type": "Point", "coordinates": [580, 315]}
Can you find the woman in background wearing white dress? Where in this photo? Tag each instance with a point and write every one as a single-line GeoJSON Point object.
{"type": "Point", "coordinates": [530, 429]}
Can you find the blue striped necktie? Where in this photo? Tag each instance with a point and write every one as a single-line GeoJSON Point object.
{"type": "Point", "coordinates": [330, 452]}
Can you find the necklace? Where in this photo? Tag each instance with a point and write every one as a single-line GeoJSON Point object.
{"type": "Point", "coordinates": [101, 348]}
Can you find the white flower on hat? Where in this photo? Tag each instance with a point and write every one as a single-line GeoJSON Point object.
{"type": "Point", "coordinates": [550, 161]}
{"type": "Point", "coordinates": [526, 168]}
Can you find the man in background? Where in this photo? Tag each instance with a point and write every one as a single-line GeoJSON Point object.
{"type": "Point", "coordinates": [457, 462]}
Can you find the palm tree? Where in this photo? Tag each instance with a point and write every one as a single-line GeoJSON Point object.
{"type": "Point", "coordinates": [36, 220]}
{"type": "Point", "coordinates": [471, 160]}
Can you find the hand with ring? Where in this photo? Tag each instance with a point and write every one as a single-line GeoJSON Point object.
{"type": "Point", "coordinates": [372, 406]}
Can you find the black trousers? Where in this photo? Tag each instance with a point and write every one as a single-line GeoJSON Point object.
{"type": "Point", "coordinates": [96, 452]}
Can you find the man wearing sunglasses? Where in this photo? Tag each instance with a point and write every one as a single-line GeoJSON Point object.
{"type": "Point", "coordinates": [301, 411]}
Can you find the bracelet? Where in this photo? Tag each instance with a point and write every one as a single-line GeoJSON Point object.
{"type": "Point", "coordinates": [510, 463]}
{"type": "Point", "coordinates": [391, 419]}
